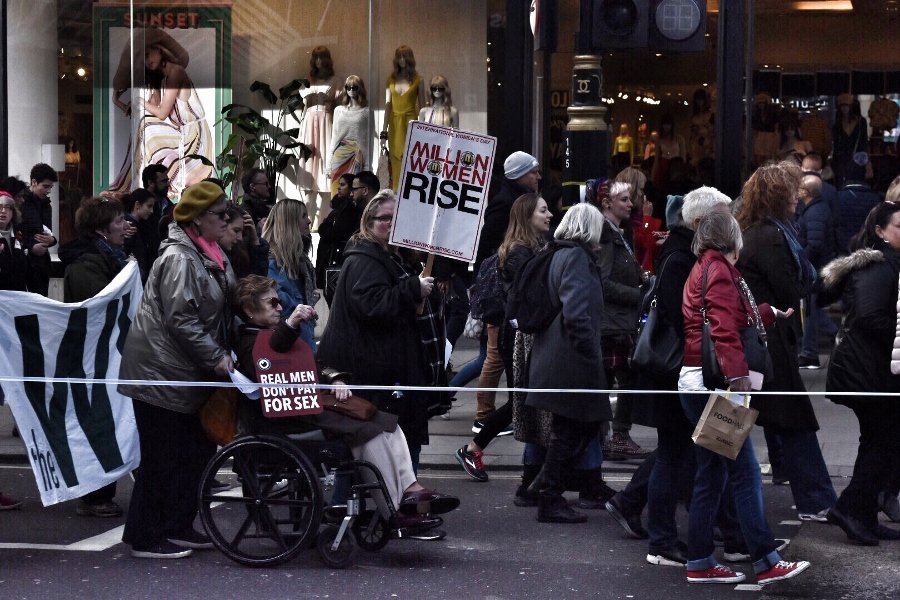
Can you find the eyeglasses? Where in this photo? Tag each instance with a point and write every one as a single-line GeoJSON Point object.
{"type": "Point", "coordinates": [218, 213]}
{"type": "Point", "coordinates": [9, 207]}
{"type": "Point", "coordinates": [351, 88]}
{"type": "Point", "coordinates": [384, 219]}
{"type": "Point", "coordinates": [435, 88]}
{"type": "Point", "coordinates": [273, 302]}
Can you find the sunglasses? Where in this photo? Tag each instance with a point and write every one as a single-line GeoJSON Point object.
{"type": "Point", "coordinates": [218, 213]}
{"type": "Point", "coordinates": [351, 88]}
{"type": "Point", "coordinates": [437, 89]}
{"type": "Point", "coordinates": [273, 302]}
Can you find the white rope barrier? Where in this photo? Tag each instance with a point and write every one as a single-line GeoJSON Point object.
{"type": "Point", "coordinates": [415, 388]}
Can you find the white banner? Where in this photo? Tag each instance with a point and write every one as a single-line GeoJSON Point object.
{"type": "Point", "coordinates": [78, 437]}
{"type": "Point", "coordinates": [443, 190]}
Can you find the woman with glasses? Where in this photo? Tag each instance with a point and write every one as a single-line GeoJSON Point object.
{"type": "Point", "coordinates": [348, 153]}
{"type": "Point", "coordinates": [383, 326]}
{"type": "Point", "coordinates": [440, 109]}
{"type": "Point", "coordinates": [287, 233]}
{"type": "Point", "coordinates": [180, 333]}
{"type": "Point", "coordinates": [13, 261]}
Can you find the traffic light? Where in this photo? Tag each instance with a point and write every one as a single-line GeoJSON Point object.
{"type": "Point", "coordinates": [664, 25]}
{"type": "Point", "coordinates": [620, 24]}
{"type": "Point", "coordinates": [678, 25]}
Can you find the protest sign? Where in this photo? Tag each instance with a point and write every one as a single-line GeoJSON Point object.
{"type": "Point", "coordinates": [288, 379]}
{"type": "Point", "coordinates": [443, 190]}
{"type": "Point", "coordinates": [78, 437]}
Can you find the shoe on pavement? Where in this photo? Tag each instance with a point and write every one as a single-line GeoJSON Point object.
{"type": "Point", "coordinates": [668, 557]}
{"type": "Point", "coordinates": [716, 574]}
{"type": "Point", "coordinates": [472, 464]}
{"type": "Point", "coordinates": [191, 539]}
{"type": "Point", "coordinates": [741, 554]}
{"type": "Point", "coordinates": [525, 498]}
{"type": "Point", "coordinates": [820, 517]}
{"type": "Point", "coordinates": [8, 503]}
{"type": "Point", "coordinates": [889, 505]}
{"type": "Point", "coordinates": [409, 525]}
{"type": "Point", "coordinates": [809, 363]}
{"type": "Point", "coordinates": [630, 523]}
{"type": "Point", "coordinates": [163, 549]}
{"type": "Point", "coordinates": [101, 509]}
{"type": "Point", "coordinates": [855, 530]}
{"type": "Point", "coordinates": [780, 571]}
{"type": "Point", "coordinates": [476, 426]}
{"type": "Point", "coordinates": [621, 447]}
{"type": "Point", "coordinates": [555, 509]}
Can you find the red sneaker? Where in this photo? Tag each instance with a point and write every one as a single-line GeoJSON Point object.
{"type": "Point", "coordinates": [782, 570]}
{"type": "Point", "coordinates": [716, 574]}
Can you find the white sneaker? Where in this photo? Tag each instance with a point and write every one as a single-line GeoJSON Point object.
{"type": "Point", "coordinates": [820, 517]}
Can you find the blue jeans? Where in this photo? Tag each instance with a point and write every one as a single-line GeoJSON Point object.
{"type": "Point", "coordinates": [714, 472]}
{"type": "Point", "coordinates": [815, 322]}
{"type": "Point", "coordinates": [804, 467]}
{"type": "Point", "coordinates": [472, 369]}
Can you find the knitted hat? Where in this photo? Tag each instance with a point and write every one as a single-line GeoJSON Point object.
{"type": "Point", "coordinates": [519, 163]}
{"type": "Point", "coordinates": [196, 199]}
{"type": "Point", "coordinates": [673, 210]}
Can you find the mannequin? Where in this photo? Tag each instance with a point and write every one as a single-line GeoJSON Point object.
{"type": "Point", "coordinates": [440, 109]}
{"type": "Point", "coordinates": [348, 152]}
{"type": "Point", "coordinates": [403, 97]}
{"type": "Point", "coordinates": [792, 144]}
{"type": "Point", "coordinates": [623, 150]}
{"type": "Point", "coordinates": [641, 140]}
{"type": "Point", "coordinates": [315, 130]}
{"type": "Point", "coordinates": [669, 148]}
{"type": "Point", "coordinates": [702, 134]}
{"type": "Point", "coordinates": [849, 135]}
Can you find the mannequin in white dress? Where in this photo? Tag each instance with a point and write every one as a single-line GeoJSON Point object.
{"type": "Point", "coordinates": [350, 134]}
{"type": "Point", "coordinates": [315, 131]}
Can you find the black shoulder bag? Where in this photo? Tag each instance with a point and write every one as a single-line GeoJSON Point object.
{"type": "Point", "coordinates": [659, 348]}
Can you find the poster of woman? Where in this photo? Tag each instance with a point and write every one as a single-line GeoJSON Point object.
{"type": "Point", "coordinates": [166, 84]}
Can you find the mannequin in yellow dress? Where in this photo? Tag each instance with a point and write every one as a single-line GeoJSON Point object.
{"type": "Point", "coordinates": [623, 149]}
{"type": "Point", "coordinates": [403, 97]}
{"type": "Point", "coordinates": [440, 109]}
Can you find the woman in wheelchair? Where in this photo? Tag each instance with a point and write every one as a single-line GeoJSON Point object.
{"type": "Point", "coordinates": [379, 441]}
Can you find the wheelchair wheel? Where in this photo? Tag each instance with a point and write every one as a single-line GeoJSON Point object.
{"type": "Point", "coordinates": [275, 512]}
{"type": "Point", "coordinates": [371, 531]}
{"type": "Point", "coordinates": [346, 551]}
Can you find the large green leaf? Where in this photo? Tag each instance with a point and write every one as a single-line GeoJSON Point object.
{"type": "Point", "coordinates": [264, 89]}
{"type": "Point", "coordinates": [202, 159]}
{"type": "Point", "coordinates": [292, 87]}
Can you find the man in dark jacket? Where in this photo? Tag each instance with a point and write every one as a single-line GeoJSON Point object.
{"type": "Point", "coordinates": [257, 194]}
{"type": "Point", "coordinates": [855, 200]}
{"type": "Point", "coordinates": [818, 236]}
{"type": "Point", "coordinates": [37, 219]}
{"type": "Point", "coordinates": [521, 175]}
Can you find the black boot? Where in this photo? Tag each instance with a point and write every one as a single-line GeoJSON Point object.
{"type": "Point", "coordinates": [593, 493]}
{"type": "Point", "coordinates": [553, 508]}
{"type": "Point", "coordinates": [525, 497]}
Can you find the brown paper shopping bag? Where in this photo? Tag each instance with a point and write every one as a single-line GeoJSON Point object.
{"type": "Point", "coordinates": [724, 425]}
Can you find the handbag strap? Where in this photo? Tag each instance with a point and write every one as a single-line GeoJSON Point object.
{"type": "Point", "coordinates": [703, 307]}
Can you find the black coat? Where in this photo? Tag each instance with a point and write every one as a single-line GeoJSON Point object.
{"type": "Point", "coordinates": [334, 231]}
{"type": "Point", "coordinates": [372, 334]}
{"type": "Point", "coordinates": [13, 265]}
{"type": "Point", "coordinates": [768, 266]}
{"type": "Point", "coordinates": [861, 361]}
{"type": "Point", "coordinates": [817, 231]}
{"type": "Point", "coordinates": [36, 214]}
{"type": "Point", "coordinates": [621, 276]}
{"type": "Point", "coordinates": [656, 410]}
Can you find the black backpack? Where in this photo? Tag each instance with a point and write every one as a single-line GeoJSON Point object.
{"type": "Point", "coordinates": [530, 306]}
{"type": "Point", "coordinates": [487, 298]}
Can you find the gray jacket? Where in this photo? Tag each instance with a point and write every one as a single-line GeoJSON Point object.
{"type": "Point", "coordinates": [568, 353]}
{"type": "Point", "coordinates": [180, 331]}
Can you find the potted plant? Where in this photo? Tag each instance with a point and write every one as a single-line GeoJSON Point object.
{"type": "Point", "coordinates": [257, 141]}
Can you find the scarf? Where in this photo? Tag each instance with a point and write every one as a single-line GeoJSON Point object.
{"type": "Point", "coordinates": [211, 249]}
{"type": "Point", "coordinates": [806, 272]}
{"type": "Point", "coordinates": [115, 253]}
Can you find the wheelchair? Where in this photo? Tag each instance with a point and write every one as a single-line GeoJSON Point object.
{"type": "Point", "coordinates": [278, 506]}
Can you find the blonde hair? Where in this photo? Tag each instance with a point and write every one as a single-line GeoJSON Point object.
{"type": "Point", "coordinates": [441, 81]}
{"type": "Point", "coordinates": [637, 180]}
{"type": "Point", "coordinates": [365, 222]}
{"type": "Point", "coordinates": [286, 244]}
